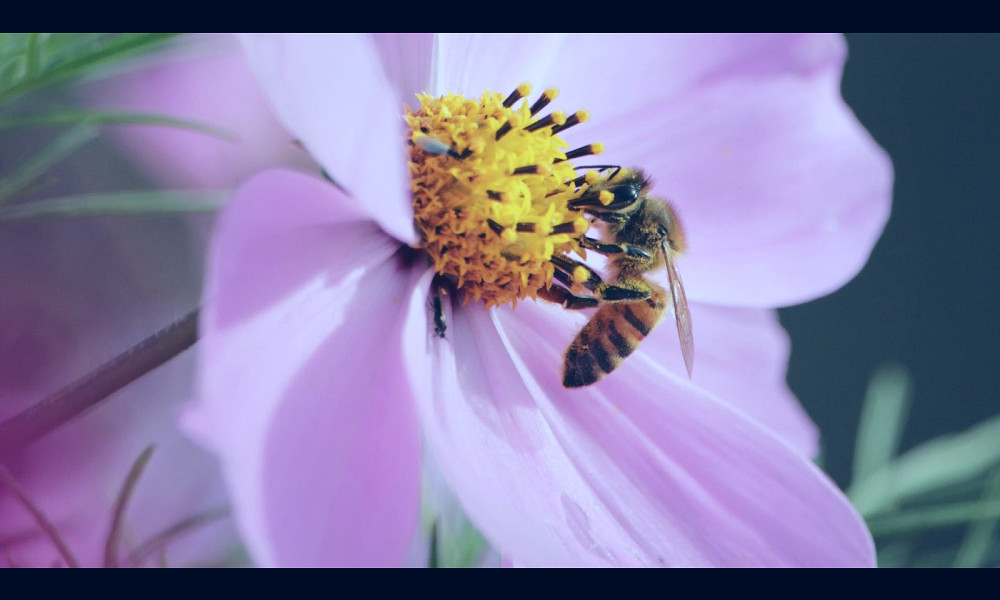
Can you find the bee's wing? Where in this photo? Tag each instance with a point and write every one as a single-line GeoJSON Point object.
{"type": "Point", "coordinates": [681, 314]}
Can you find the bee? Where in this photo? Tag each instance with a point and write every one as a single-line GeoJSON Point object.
{"type": "Point", "coordinates": [642, 234]}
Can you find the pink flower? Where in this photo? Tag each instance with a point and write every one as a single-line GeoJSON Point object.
{"type": "Point", "coordinates": [322, 377]}
{"type": "Point", "coordinates": [204, 79]}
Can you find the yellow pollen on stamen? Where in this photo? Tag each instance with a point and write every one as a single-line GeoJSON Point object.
{"type": "Point", "coordinates": [491, 183]}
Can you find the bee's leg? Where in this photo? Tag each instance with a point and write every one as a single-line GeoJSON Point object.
{"type": "Point", "coordinates": [609, 217]}
{"type": "Point", "coordinates": [627, 291]}
{"type": "Point", "coordinates": [561, 295]}
{"type": "Point", "coordinates": [570, 272]}
{"type": "Point", "coordinates": [608, 249]}
{"type": "Point", "coordinates": [439, 288]}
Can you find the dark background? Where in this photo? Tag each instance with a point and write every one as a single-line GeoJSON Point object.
{"type": "Point", "coordinates": [928, 297]}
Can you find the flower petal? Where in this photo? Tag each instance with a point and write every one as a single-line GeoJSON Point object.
{"type": "Point", "coordinates": [641, 469]}
{"type": "Point", "coordinates": [741, 358]}
{"type": "Point", "coordinates": [211, 84]}
{"type": "Point", "coordinates": [334, 94]}
{"type": "Point", "coordinates": [781, 191]}
{"type": "Point", "coordinates": [302, 389]}
{"type": "Point", "coordinates": [471, 64]}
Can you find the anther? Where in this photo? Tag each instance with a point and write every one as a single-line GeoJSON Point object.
{"type": "Point", "coordinates": [496, 227]}
{"type": "Point", "coordinates": [588, 277]}
{"type": "Point", "coordinates": [557, 118]}
{"type": "Point", "coordinates": [547, 96]}
{"type": "Point", "coordinates": [519, 92]}
{"type": "Point", "coordinates": [587, 150]}
{"type": "Point", "coordinates": [492, 195]}
{"type": "Point", "coordinates": [577, 226]}
{"type": "Point", "coordinates": [533, 170]}
{"type": "Point", "coordinates": [513, 121]}
{"type": "Point", "coordinates": [576, 118]}
{"type": "Point", "coordinates": [526, 227]}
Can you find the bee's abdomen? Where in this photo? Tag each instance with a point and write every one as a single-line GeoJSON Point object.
{"type": "Point", "coordinates": [612, 333]}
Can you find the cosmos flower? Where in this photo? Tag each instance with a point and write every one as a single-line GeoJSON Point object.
{"type": "Point", "coordinates": [322, 367]}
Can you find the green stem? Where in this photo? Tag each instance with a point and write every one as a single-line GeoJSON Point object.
{"type": "Point", "coordinates": [36, 421]}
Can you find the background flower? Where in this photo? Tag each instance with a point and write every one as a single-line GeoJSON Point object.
{"type": "Point", "coordinates": [297, 295]}
{"type": "Point", "coordinates": [74, 293]}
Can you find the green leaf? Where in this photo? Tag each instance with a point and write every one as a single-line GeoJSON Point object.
{"type": "Point", "coordinates": [936, 464]}
{"type": "Point", "coordinates": [882, 417]}
{"type": "Point", "coordinates": [72, 116]}
{"type": "Point", "coordinates": [26, 173]}
{"type": "Point", "coordinates": [459, 544]}
{"type": "Point", "coordinates": [120, 203]}
{"type": "Point", "coordinates": [919, 519]}
{"type": "Point", "coordinates": [975, 548]}
{"type": "Point", "coordinates": [53, 58]}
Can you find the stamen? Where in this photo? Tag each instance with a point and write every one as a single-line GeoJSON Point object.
{"type": "Point", "coordinates": [557, 118]}
{"type": "Point", "coordinates": [547, 96]}
{"type": "Point", "coordinates": [576, 118]}
{"type": "Point", "coordinates": [519, 92]}
{"type": "Point", "coordinates": [576, 226]}
{"type": "Point", "coordinates": [493, 221]}
{"type": "Point", "coordinates": [512, 122]}
{"type": "Point", "coordinates": [533, 170]}
{"type": "Point", "coordinates": [587, 150]}
{"type": "Point", "coordinates": [587, 276]}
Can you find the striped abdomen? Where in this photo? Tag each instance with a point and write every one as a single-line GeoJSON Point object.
{"type": "Point", "coordinates": [612, 333]}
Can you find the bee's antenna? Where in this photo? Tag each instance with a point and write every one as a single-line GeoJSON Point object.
{"type": "Point", "coordinates": [598, 167]}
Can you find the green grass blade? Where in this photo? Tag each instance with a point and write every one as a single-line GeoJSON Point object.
{"type": "Point", "coordinates": [934, 465]}
{"type": "Point", "coordinates": [919, 519]}
{"type": "Point", "coordinates": [33, 55]}
{"type": "Point", "coordinates": [97, 51]}
{"type": "Point", "coordinates": [975, 548]}
{"type": "Point", "coordinates": [882, 418]}
{"type": "Point", "coordinates": [81, 116]}
{"type": "Point", "coordinates": [120, 203]}
{"type": "Point", "coordinates": [26, 173]}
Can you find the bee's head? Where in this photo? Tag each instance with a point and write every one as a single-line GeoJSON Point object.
{"type": "Point", "coordinates": [663, 224]}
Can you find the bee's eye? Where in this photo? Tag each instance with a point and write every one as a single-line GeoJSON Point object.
{"type": "Point", "coordinates": [661, 230]}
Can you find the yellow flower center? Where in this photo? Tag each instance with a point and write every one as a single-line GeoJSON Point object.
{"type": "Point", "coordinates": [491, 186]}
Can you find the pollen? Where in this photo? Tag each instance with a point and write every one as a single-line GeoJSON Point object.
{"type": "Point", "coordinates": [491, 183]}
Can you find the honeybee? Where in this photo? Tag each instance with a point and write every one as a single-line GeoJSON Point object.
{"type": "Point", "coordinates": [642, 234]}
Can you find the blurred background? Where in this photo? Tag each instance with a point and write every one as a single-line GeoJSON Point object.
{"type": "Point", "coordinates": [894, 367]}
{"type": "Point", "coordinates": [926, 298]}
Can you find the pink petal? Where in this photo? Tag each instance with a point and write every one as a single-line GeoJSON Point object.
{"type": "Point", "coordinates": [303, 389]}
{"type": "Point", "coordinates": [741, 358]}
{"type": "Point", "coordinates": [781, 191]}
{"type": "Point", "coordinates": [211, 84]}
{"type": "Point", "coordinates": [642, 469]}
{"type": "Point", "coordinates": [334, 94]}
{"type": "Point", "coordinates": [471, 64]}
